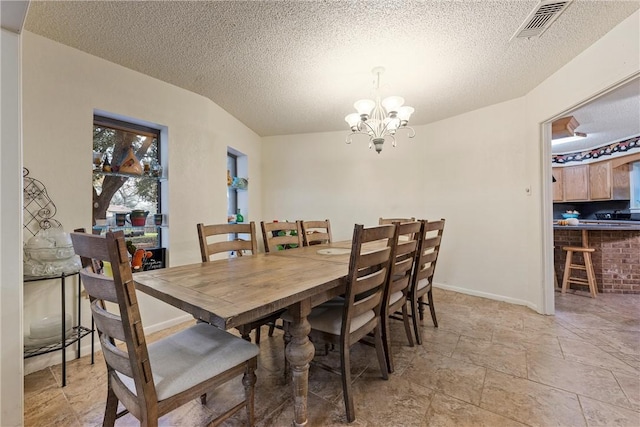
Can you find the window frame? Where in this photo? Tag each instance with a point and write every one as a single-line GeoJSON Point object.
{"type": "Point", "coordinates": [142, 130]}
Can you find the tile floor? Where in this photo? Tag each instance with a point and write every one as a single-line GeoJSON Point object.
{"type": "Point", "coordinates": [488, 364]}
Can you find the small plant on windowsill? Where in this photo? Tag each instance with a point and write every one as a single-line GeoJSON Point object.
{"type": "Point", "coordinates": [285, 233]}
{"type": "Point", "coordinates": [239, 183]}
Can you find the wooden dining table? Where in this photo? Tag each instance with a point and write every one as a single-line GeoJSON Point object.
{"type": "Point", "coordinates": [235, 291]}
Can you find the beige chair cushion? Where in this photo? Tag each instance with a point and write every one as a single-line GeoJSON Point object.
{"type": "Point", "coordinates": [422, 283]}
{"type": "Point", "coordinates": [394, 297]}
{"type": "Point", "coordinates": [327, 317]}
{"type": "Point", "coordinates": [185, 359]}
{"type": "Point", "coordinates": [330, 320]}
{"type": "Point", "coordinates": [334, 302]}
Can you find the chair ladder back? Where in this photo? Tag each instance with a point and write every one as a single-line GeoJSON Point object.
{"type": "Point", "coordinates": [98, 286]}
{"type": "Point", "coordinates": [403, 266]}
{"type": "Point", "coordinates": [286, 240]}
{"type": "Point", "coordinates": [88, 250]}
{"type": "Point", "coordinates": [134, 362]}
{"type": "Point", "coordinates": [108, 323]}
{"type": "Point", "coordinates": [403, 257]}
{"type": "Point", "coordinates": [117, 359]}
{"type": "Point", "coordinates": [435, 226]}
{"type": "Point", "coordinates": [429, 248]}
{"type": "Point", "coordinates": [367, 272]}
{"type": "Point", "coordinates": [367, 293]}
{"type": "Point", "coordinates": [406, 248]}
{"type": "Point", "coordinates": [208, 249]}
{"type": "Point", "coordinates": [425, 272]}
{"type": "Point", "coordinates": [316, 232]}
{"type": "Point", "coordinates": [387, 221]}
{"type": "Point", "coordinates": [432, 242]}
{"type": "Point", "coordinates": [429, 257]}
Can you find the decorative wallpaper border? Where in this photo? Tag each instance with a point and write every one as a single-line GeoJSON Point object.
{"type": "Point", "coordinates": [631, 144]}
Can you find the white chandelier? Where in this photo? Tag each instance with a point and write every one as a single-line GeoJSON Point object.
{"type": "Point", "coordinates": [379, 119]}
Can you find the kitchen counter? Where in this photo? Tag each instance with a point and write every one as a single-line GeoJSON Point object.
{"type": "Point", "coordinates": [600, 225]}
{"type": "Point", "coordinates": [616, 259]}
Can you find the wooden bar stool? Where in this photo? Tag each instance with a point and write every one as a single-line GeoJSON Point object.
{"type": "Point", "coordinates": [587, 267]}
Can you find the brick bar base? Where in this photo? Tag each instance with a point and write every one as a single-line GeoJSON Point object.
{"type": "Point", "coordinates": [616, 260]}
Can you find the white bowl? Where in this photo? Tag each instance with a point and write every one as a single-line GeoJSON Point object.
{"type": "Point", "coordinates": [30, 343]}
{"type": "Point", "coordinates": [50, 326]}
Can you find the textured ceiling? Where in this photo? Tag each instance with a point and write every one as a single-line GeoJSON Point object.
{"type": "Point", "coordinates": [287, 67]}
{"type": "Point", "coordinates": [611, 117]}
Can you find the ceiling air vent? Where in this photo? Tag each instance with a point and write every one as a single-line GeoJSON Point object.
{"type": "Point", "coordinates": [541, 18]}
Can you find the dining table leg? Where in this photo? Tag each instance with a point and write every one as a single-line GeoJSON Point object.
{"type": "Point", "coordinates": [299, 353]}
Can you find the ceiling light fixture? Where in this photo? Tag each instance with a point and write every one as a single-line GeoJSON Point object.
{"type": "Point", "coordinates": [563, 130]}
{"type": "Point", "coordinates": [379, 119]}
{"type": "Point", "coordinates": [577, 136]}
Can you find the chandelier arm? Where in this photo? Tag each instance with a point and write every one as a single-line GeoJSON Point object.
{"type": "Point", "coordinates": [366, 128]}
{"type": "Point", "coordinates": [412, 132]}
{"type": "Point", "coordinates": [385, 129]}
{"type": "Point", "coordinates": [393, 140]}
{"type": "Point", "coordinates": [349, 137]}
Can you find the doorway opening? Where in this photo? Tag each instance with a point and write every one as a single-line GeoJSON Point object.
{"type": "Point", "coordinates": [604, 120]}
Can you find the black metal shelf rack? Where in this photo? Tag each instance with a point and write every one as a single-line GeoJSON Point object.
{"type": "Point", "coordinates": [78, 331]}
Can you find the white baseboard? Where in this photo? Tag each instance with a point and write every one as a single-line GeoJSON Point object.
{"type": "Point", "coordinates": [86, 349]}
{"type": "Point", "coordinates": [167, 324]}
{"type": "Point", "coordinates": [488, 296]}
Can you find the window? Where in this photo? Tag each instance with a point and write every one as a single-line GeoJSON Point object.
{"type": "Point", "coordinates": [232, 195]}
{"type": "Point", "coordinates": [127, 180]}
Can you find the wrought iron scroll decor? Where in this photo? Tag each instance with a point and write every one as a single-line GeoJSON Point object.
{"type": "Point", "coordinates": [38, 209]}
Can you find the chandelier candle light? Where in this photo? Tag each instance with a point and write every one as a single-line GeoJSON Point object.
{"type": "Point", "coordinates": [379, 119]}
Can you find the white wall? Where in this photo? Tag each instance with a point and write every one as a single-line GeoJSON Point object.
{"type": "Point", "coordinates": [473, 169]}
{"type": "Point", "coordinates": [608, 62]}
{"type": "Point", "coordinates": [318, 176]}
{"type": "Point", "coordinates": [486, 172]}
{"type": "Point", "coordinates": [11, 367]}
{"type": "Point", "coordinates": [62, 87]}
{"type": "Point", "coordinates": [468, 170]}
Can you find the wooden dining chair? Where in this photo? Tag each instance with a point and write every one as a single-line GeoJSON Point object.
{"type": "Point", "coordinates": [422, 281]}
{"type": "Point", "coordinates": [316, 232]}
{"type": "Point", "coordinates": [220, 242]}
{"type": "Point", "coordinates": [281, 235]}
{"type": "Point", "coordinates": [345, 325]}
{"type": "Point", "coordinates": [403, 256]}
{"type": "Point", "coordinates": [152, 380]}
{"type": "Point", "coordinates": [214, 239]}
{"type": "Point", "coordinates": [384, 221]}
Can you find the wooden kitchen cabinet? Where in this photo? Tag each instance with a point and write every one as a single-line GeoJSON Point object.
{"type": "Point", "coordinates": [576, 183]}
{"type": "Point", "coordinates": [558, 185]}
{"type": "Point", "coordinates": [604, 180]}
{"type": "Point", "coordinates": [607, 182]}
{"type": "Point", "coordinates": [621, 182]}
{"type": "Point", "coordinates": [600, 181]}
